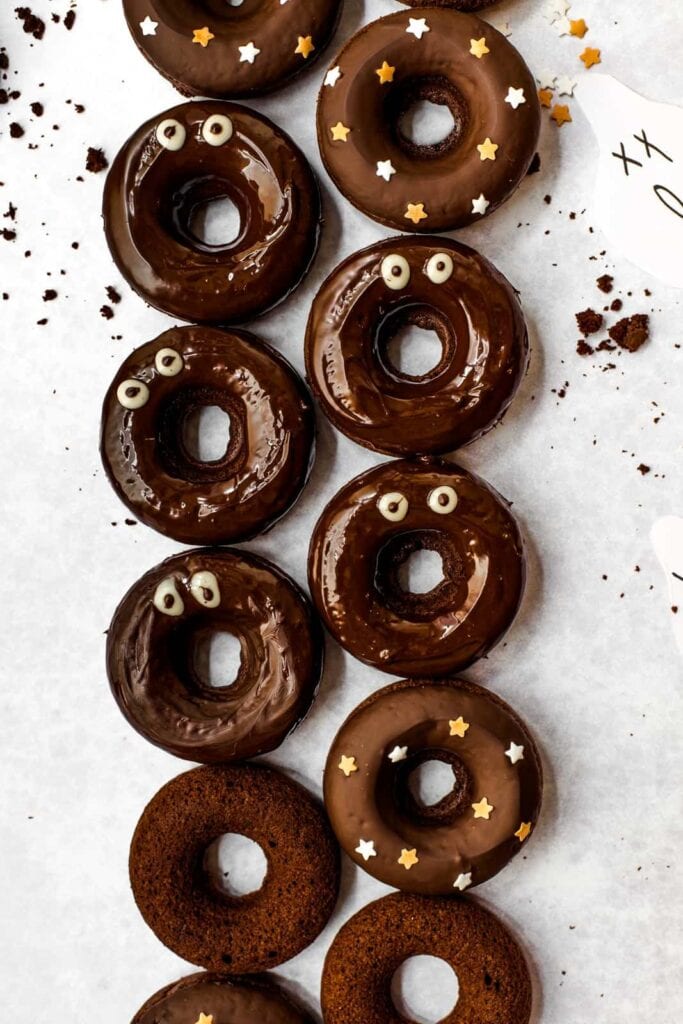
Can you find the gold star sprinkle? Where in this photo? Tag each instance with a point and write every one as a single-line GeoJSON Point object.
{"type": "Point", "coordinates": [347, 765]}
{"type": "Point", "coordinates": [560, 114]}
{"type": "Point", "coordinates": [408, 858]}
{"type": "Point", "coordinates": [415, 212]}
{"type": "Point", "coordinates": [479, 47]}
{"type": "Point", "coordinates": [305, 46]}
{"type": "Point", "coordinates": [458, 726]}
{"type": "Point", "coordinates": [205, 1018]}
{"type": "Point", "coordinates": [203, 36]}
{"type": "Point", "coordinates": [523, 831]}
{"type": "Point", "coordinates": [590, 57]}
{"type": "Point", "coordinates": [385, 73]}
{"type": "Point", "coordinates": [482, 809]}
{"type": "Point", "coordinates": [578, 28]}
{"type": "Point", "coordinates": [487, 149]}
{"type": "Point", "coordinates": [546, 97]}
{"type": "Point", "coordinates": [339, 132]}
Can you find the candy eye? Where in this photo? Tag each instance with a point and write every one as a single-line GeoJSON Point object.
{"type": "Point", "coordinates": [442, 500]}
{"type": "Point", "coordinates": [171, 135]}
{"type": "Point", "coordinates": [395, 271]}
{"type": "Point", "coordinates": [168, 362]}
{"type": "Point", "coordinates": [393, 506]}
{"type": "Point", "coordinates": [167, 599]}
{"type": "Point", "coordinates": [204, 588]}
{"type": "Point", "coordinates": [439, 267]}
{"type": "Point", "coordinates": [217, 130]}
{"type": "Point", "coordinates": [132, 394]}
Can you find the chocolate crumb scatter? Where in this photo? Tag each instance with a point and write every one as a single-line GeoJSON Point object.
{"type": "Point", "coordinates": [107, 312]}
{"type": "Point", "coordinates": [616, 305]}
{"type": "Point", "coordinates": [96, 161]}
{"type": "Point", "coordinates": [631, 332]}
{"type": "Point", "coordinates": [15, 130]}
{"type": "Point", "coordinates": [69, 19]}
{"type": "Point", "coordinates": [583, 348]}
{"type": "Point", "coordinates": [643, 469]}
{"type": "Point", "coordinates": [535, 165]}
{"type": "Point", "coordinates": [33, 25]}
{"type": "Point", "coordinates": [49, 295]}
{"type": "Point", "coordinates": [37, 109]}
{"type": "Point", "coordinates": [113, 295]}
{"type": "Point", "coordinates": [589, 322]}
{"type": "Point", "coordinates": [605, 283]}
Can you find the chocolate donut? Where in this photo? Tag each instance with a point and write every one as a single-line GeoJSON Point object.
{"type": "Point", "coordinates": [154, 640]}
{"type": "Point", "coordinates": [472, 832]}
{"type": "Point", "coordinates": [176, 164]}
{"type": "Point", "coordinates": [436, 54]}
{"type": "Point", "coordinates": [226, 49]}
{"type": "Point", "coordinates": [272, 435]}
{"type": "Point", "coordinates": [216, 999]}
{"type": "Point", "coordinates": [494, 982]}
{"type": "Point", "coordinates": [234, 935]}
{"type": "Point", "coordinates": [374, 524]}
{"type": "Point", "coordinates": [458, 5]}
{"type": "Point", "coordinates": [435, 284]}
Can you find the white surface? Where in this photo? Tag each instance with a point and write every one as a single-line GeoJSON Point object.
{"type": "Point", "coordinates": [596, 897]}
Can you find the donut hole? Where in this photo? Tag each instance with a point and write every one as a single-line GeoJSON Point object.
{"type": "Point", "coordinates": [217, 659]}
{"type": "Point", "coordinates": [424, 989]}
{"type": "Point", "coordinates": [201, 435]}
{"type": "Point", "coordinates": [421, 572]}
{"type": "Point", "coordinates": [234, 865]}
{"type": "Point", "coordinates": [427, 115]}
{"type": "Point", "coordinates": [408, 580]}
{"type": "Point", "coordinates": [413, 344]}
{"type": "Point", "coordinates": [206, 433]}
{"type": "Point", "coordinates": [414, 351]}
{"type": "Point", "coordinates": [205, 214]}
{"type": "Point", "coordinates": [216, 223]}
{"type": "Point", "coordinates": [431, 782]}
{"type": "Point", "coordinates": [432, 787]}
{"type": "Point", "coordinates": [427, 124]}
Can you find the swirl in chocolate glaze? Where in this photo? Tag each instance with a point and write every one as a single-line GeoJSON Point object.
{"type": "Point", "coordinates": [256, 1000]}
{"type": "Point", "coordinates": [157, 631]}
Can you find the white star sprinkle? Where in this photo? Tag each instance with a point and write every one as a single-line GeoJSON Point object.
{"type": "Point", "coordinates": [398, 754]}
{"type": "Point", "coordinates": [366, 848]}
{"type": "Point", "coordinates": [503, 27]}
{"type": "Point", "coordinates": [566, 85]}
{"type": "Point", "coordinates": [333, 76]}
{"type": "Point", "coordinates": [546, 79]}
{"type": "Point", "coordinates": [515, 752]}
{"type": "Point", "coordinates": [149, 27]}
{"type": "Point", "coordinates": [562, 27]}
{"type": "Point", "coordinates": [480, 205]}
{"type": "Point", "coordinates": [515, 97]}
{"type": "Point", "coordinates": [555, 9]}
{"type": "Point", "coordinates": [417, 27]}
{"type": "Point", "coordinates": [248, 53]}
{"type": "Point", "coordinates": [385, 169]}
{"type": "Point", "coordinates": [463, 881]}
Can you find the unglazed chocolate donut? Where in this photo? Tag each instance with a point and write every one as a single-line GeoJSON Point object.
{"type": "Point", "coordinates": [219, 999]}
{"type": "Point", "coordinates": [234, 935]}
{"type": "Point", "coordinates": [374, 524]}
{"type": "Point", "coordinates": [272, 435]}
{"type": "Point", "coordinates": [436, 54]}
{"type": "Point", "coordinates": [155, 637]}
{"type": "Point", "coordinates": [494, 985]}
{"type": "Point", "coordinates": [472, 832]}
{"type": "Point", "coordinates": [432, 283]}
{"type": "Point", "coordinates": [225, 49]}
{"type": "Point", "coordinates": [174, 165]}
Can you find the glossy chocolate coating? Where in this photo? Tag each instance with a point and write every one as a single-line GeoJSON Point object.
{"type": "Point", "coordinates": [376, 802]}
{"type": "Point", "coordinates": [218, 69]}
{"type": "Point", "coordinates": [268, 458]}
{"type": "Point", "coordinates": [151, 196]}
{"type": "Point", "coordinates": [477, 318]}
{"type": "Point", "coordinates": [254, 1000]}
{"type": "Point", "coordinates": [457, 5]}
{"type": "Point", "coordinates": [355, 555]}
{"type": "Point", "coordinates": [447, 177]}
{"type": "Point", "coordinates": [152, 655]}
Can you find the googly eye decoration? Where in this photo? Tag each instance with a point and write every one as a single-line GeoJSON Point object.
{"type": "Point", "coordinates": [393, 506]}
{"type": "Point", "coordinates": [171, 134]}
{"type": "Point", "coordinates": [439, 267]}
{"type": "Point", "coordinates": [168, 362]}
{"type": "Point", "coordinates": [167, 600]}
{"type": "Point", "coordinates": [442, 500]}
{"type": "Point", "coordinates": [132, 394]}
{"type": "Point", "coordinates": [217, 130]}
{"type": "Point", "coordinates": [204, 589]}
{"type": "Point", "coordinates": [395, 271]}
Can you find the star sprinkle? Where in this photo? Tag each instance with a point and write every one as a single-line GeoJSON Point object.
{"type": "Point", "coordinates": [515, 752]}
{"type": "Point", "coordinates": [305, 46]}
{"type": "Point", "coordinates": [463, 881]}
{"type": "Point", "coordinates": [149, 27]}
{"type": "Point", "coordinates": [347, 765]}
{"type": "Point", "coordinates": [546, 79]}
{"type": "Point", "coordinates": [205, 1018]}
{"type": "Point", "coordinates": [478, 47]}
{"type": "Point", "coordinates": [523, 831]}
{"type": "Point", "coordinates": [398, 754]}
{"type": "Point", "coordinates": [480, 205]}
{"type": "Point", "coordinates": [248, 53]}
{"type": "Point", "coordinates": [385, 73]}
{"type": "Point", "coordinates": [560, 114]}
{"type": "Point", "coordinates": [482, 809]}
{"type": "Point", "coordinates": [339, 132]}
{"type": "Point", "coordinates": [562, 27]}
{"type": "Point", "coordinates": [503, 27]}
{"type": "Point", "coordinates": [458, 726]}
{"type": "Point", "coordinates": [566, 85]}
{"type": "Point", "coordinates": [578, 28]}
{"type": "Point", "coordinates": [333, 76]}
{"type": "Point", "coordinates": [546, 97]}
{"type": "Point", "coordinates": [203, 36]}
{"type": "Point", "coordinates": [555, 9]}
{"type": "Point", "coordinates": [415, 212]}
{"type": "Point", "coordinates": [515, 97]}
{"type": "Point", "coordinates": [417, 27]}
{"type": "Point", "coordinates": [366, 848]}
{"type": "Point", "coordinates": [590, 57]}
{"type": "Point", "coordinates": [487, 149]}
{"type": "Point", "coordinates": [408, 858]}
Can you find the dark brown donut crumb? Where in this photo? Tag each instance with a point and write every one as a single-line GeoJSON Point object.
{"type": "Point", "coordinates": [605, 283]}
{"type": "Point", "coordinates": [631, 332]}
{"type": "Point", "coordinates": [589, 322]}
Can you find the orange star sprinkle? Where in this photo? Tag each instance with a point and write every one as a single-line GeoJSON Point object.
{"type": "Point", "coordinates": [415, 212]}
{"type": "Point", "coordinates": [203, 36]}
{"type": "Point", "coordinates": [523, 831]}
{"type": "Point", "coordinates": [408, 859]}
{"type": "Point", "coordinates": [339, 132]}
{"type": "Point", "coordinates": [560, 114]}
{"type": "Point", "coordinates": [305, 46]}
{"type": "Point", "coordinates": [546, 97]}
{"type": "Point", "coordinates": [578, 28]}
{"type": "Point", "coordinates": [590, 57]}
{"type": "Point", "coordinates": [385, 73]}
{"type": "Point", "coordinates": [458, 726]}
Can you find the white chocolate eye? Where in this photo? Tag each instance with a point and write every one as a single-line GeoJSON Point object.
{"type": "Point", "coordinates": [171, 135]}
{"type": "Point", "coordinates": [168, 362]}
{"type": "Point", "coordinates": [442, 500]}
{"type": "Point", "coordinates": [132, 394]}
{"type": "Point", "coordinates": [439, 267]}
{"type": "Point", "coordinates": [167, 600]}
{"type": "Point", "coordinates": [204, 588]}
{"type": "Point", "coordinates": [393, 506]}
{"type": "Point", "coordinates": [395, 271]}
{"type": "Point", "coordinates": [217, 130]}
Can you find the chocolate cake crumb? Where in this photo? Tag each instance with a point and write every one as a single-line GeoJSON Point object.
{"type": "Point", "coordinates": [113, 295]}
{"type": "Point", "coordinates": [605, 346]}
{"type": "Point", "coordinates": [535, 165]}
{"type": "Point", "coordinates": [37, 109]}
{"type": "Point", "coordinates": [33, 25]}
{"type": "Point", "coordinates": [41, 323]}
{"type": "Point", "coordinates": [605, 283]}
{"type": "Point", "coordinates": [589, 322]}
{"type": "Point", "coordinates": [631, 332]}
{"type": "Point", "coordinates": [49, 295]}
{"type": "Point", "coordinates": [69, 19]}
{"type": "Point", "coordinates": [96, 161]}
{"type": "Point", "coordinates": [547, 200]}
{"type": "Point", "coordinates": [616, 305]}
{"type": "Point", "coordinates": [107, 312]}
{"type": "Point", "coordinates": [642, 468]}
{"type": "Point", "coordinates": [583, 348]}
{"type": "Point", "coordinates": [8, 234]}
{"type": "Point", "coordinates": [15, 130]}
{"type": "Point", "coordinates": [4, 61]}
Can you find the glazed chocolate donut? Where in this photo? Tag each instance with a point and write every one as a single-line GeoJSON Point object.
{"type": "Point", "coordinates": [435, 284]}
{"type": "Point", "coordinates": [234, 935]}
{"type": "Point", "coordinates": [173, 166]}
{"type": "Point", "coordinates": [494, 982]}
{"type": "Point", "coordinates": [272, 435]}
{"type": "Point", "coordinates": [452, 59]}
{"type": "Point", "coordinates": [473, 831]}
{"type": "Point", "coordinates": [458, 5]}
{"type": "Point", "coordinates": [224, 49]}
{"type": "Point", "coordinates": [374, 524]}
{"type": "Point", "coordinates": [154, 640]}
{"type": "Point", "coordinates": [218, 1000]}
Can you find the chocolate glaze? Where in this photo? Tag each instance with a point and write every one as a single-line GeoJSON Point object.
{"type": "Point", "coordinates": [477, 318]}
{"type": "Point", "coordinates": [254, 1000]}
{"type": "Point", "coordinates": [268, 458]}
{"type": "Point", "coordinates": [152, 193]}
{"type": "Point", "coordinates": [376, 802]}
{"type": "Point", "coordinates": [217, 69]}
{"type": "Point", "coordinates": [458, 5]}
{"type": "Point", "coordinates": [355, 552]}
{"type": "Point", "coordinates": [152, 650]}
{"type": "Point", "coordinates": [445, 178]}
